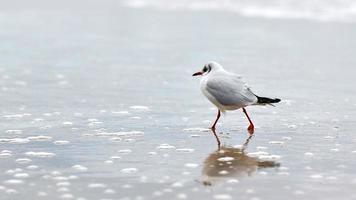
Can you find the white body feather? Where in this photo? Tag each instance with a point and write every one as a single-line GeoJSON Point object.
{"type": "Point", "coordinates": [226, 91]}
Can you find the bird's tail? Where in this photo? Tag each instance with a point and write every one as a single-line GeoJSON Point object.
{"type": "Point", "coordinates": [265, 100]}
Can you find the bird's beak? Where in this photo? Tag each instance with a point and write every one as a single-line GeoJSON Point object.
{"type": "Point", "coordinates": [198, 74]}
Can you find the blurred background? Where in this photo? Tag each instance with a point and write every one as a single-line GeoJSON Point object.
{"type": "Point", "coordinates": [98, 101]}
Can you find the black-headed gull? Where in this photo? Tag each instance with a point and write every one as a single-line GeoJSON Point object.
{"type": "Point", "coordinates": [227, 91]}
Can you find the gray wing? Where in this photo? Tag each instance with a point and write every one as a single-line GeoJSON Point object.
{"type": "Point", "coordinates": [230, 90]}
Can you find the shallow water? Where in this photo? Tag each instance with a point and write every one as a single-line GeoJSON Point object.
{"type": "Point", "coordinates": [100, 104]}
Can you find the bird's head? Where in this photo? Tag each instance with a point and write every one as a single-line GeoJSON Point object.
{"type": "Point", "coordinates": [208, 68]}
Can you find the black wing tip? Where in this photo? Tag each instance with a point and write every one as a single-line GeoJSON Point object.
{"type": "Point", "coordinates": [263, 100]}
{"type": "Point", "coordinates": [277, 100]}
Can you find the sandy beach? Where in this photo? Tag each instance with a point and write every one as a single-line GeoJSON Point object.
{"type": "Point", "coordinates": [98, 102]}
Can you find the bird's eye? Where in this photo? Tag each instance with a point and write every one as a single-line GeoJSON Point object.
{"type": "Point", "coordinates": [205, 69]}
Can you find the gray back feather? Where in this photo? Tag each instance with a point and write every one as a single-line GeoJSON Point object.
{"type": "Point", "coordinates": [230, 90]}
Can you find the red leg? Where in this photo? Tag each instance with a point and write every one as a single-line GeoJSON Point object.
{"type": "Point", "coordinates": [251, 127]}
{"type": "Point", "coordinates": [216, 121]}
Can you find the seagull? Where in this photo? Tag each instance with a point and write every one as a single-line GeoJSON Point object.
{"type": "Point", "coordinates": [227, 91]}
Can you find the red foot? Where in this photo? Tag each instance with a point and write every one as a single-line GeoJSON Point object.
{"type": "Point", "coordinates": [251, 129]}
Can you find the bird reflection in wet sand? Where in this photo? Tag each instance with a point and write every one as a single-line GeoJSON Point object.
{"type": "Point", "coordinates": [228, 162]}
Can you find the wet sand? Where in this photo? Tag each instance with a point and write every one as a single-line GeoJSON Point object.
{"type": "Point", "coordinates": [101, 104]}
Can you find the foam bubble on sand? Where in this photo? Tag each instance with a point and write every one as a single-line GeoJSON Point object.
{"type": "Point", "coordinates": [80, 168]}
{"type": "Point", "coordinates": [283, 168]}
{"type": "Point", "coordinates": [185, 150]}
{"type": "Point", "coordinates": [6, 151]}
{"type": "Point", "coordinates": [124, 112]}
{"type": "Point", "coordinates": [67, 196]}
{"type": "Point", "coordinates": [72, 177]}
{"type": "Point", "coordinates": [276, 142]}
{"type": "Point", "coordinates": [4, 140]}
{"type": "Point", "coordinates": [109, 191]}
{"type": "Point", "coordinates": [329, 137]}
{"type": "Point", "coordinates": [129, 170]}
{"type": "Point", "coordinates": [223, 172]}
{"type": "Point", "coordinates": [67, 123]}
{"type": "Point", "coordinates": [226, 159]}
{"type": "Point", "coordinates": [23, 160]}
{"type": "Point", "coordinates": [177, 184]}
{"type": "Point", "coordinates": [40, 154]}
{"type": "Point", "coordinates": [14, 182]}
{"type": "Point", "coordinates": [32, 167]}
{"type": "Point", "coordinates": [308, 154]}
{"type": "Point", "coordinates": [121, 133]}
{"type": "Point", "coordinates": [5, 154]}
{"type": "Point", "coordinates": [196, 130]}
{"type": "Point", "coordinates": [316, 176]}
{"type": "Point", "coordinates": [56, 173]}
{"type": "Point", "coordinates": [152, 153]}
{"type": "Point", "coordinates": [47, 114]}
{"type": "Point", "coordinates": [116, 139]}
{"type": "Point", "coordinates": [334, 150]}
{"type": "Point", "coordinates": [140, 108]}
{"type": "Point", "coordinates": [194, 136]}
{"type": "Point", "coordinates": [21, 175]}
{"type": "Point", "coordinates": [14, 131]}
{"type": "Point", "coordinates": [181, 196]}
{"type": "Point", "coordinates": [61, 142]}
{"type": "Point", "coordinates": [91, 124]}
{"type": "Point", "coordinates": [10, 171]}
{"type": "Point", "coordinates": [191, 165]}
{"type": "Point", "coordinates": [40, 138]}
{"type": "Point", "coordinates": [124, 151]}
{"type": "Point", "coordinates": [37, 120]}
{"type": "Point", "coordinates": [109, 162]}
{"type": "Point", "coordinates": [14, 140]}
{"type": "Point", "coordinates": [96, 185]}
{"type": "Point", "coordinates": [126, 186]}
{"type": "Point", "coordinates": [115, 157]}
{"type": "Point", "coordinates": [260, 148]}
{"type": "Point", "coordinates": [232, 181]}
{"type": "Point", "coordinates": [258, 153]}
{"type": "Point", "coordinates": [129, 140]}
{"type": "Point", "coordinates": [13, 116]}
{"type": "Point", "coordinates": [165, 147]}
{"type": "Point", "coordinates": [292, 126]}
